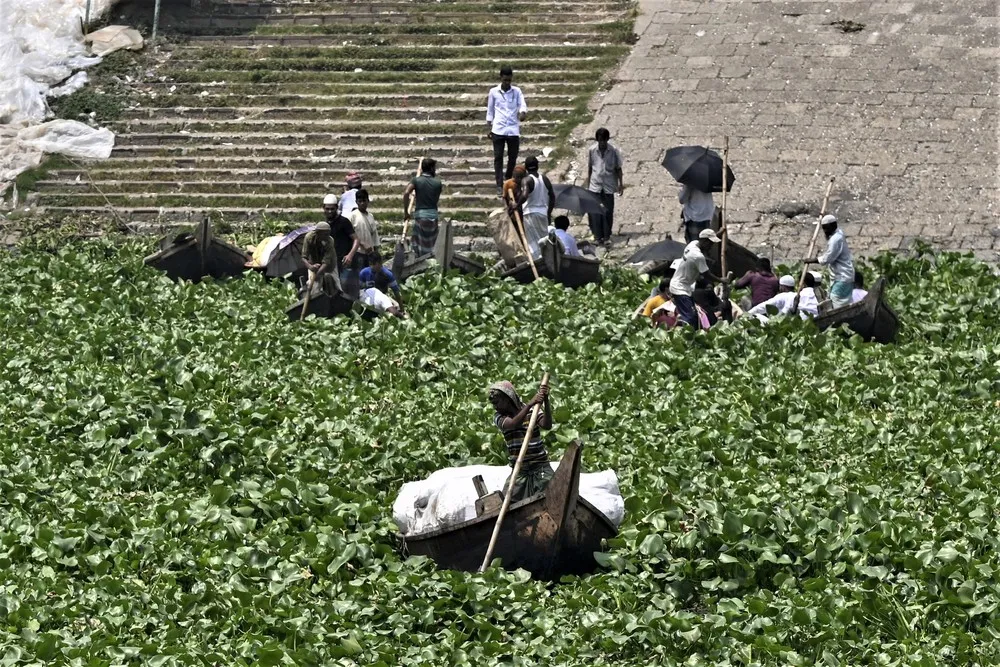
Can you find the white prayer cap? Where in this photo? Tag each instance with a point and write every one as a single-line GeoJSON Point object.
{"type": "Point", "coordinates": [786, 281]}
{"type": "Point", "coordinates": [828, 220]}
{"type": "Point", "coordinates": [330, 200]}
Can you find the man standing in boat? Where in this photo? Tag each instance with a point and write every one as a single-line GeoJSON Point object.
{"type": "Point", "coordinates": [692, 266]}
{"type": "Point", "coordinates": [536, 201]}
{"type": "Point", "coordinates": [512, 417]}
{"type": "Point", "coordinates": [838, 257]}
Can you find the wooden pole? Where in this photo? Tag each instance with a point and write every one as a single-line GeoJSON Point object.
{"type": "Point", "coordinates": [513, 476]}
{"type": "Point", "coordinates": [812, 242]}
{"type": "Point", "coordinates": [309, 291]}
{"type": "Point", "coordinates": [156, 20]}
{"type": "Point", "coordinates": [724, 222]}
{"type": "Point", "coordinates": [519, 223]}
{"type": "Point", "coordinates": [812, 245]}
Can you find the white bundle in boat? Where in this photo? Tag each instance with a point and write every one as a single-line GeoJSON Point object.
{"type": "Point", "coordinates": [448, 497]}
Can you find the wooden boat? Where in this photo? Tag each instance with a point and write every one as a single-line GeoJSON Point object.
{"type": "Point", "coordinates": [871, 318]}
{"type": "Point", "coordinates": [322, 304]}
{"type": "Point", "coordinates": [556, 265]}
{"type": "Point", "coordinates": [195, 255]}
{"type": "Point", "coordinates": [444, 253]}
{"type": "Point", "coordinates": [550, 534]}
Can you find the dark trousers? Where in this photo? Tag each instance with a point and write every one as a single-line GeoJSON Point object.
{"type": "Point", "coordinates": [694, 227]}
{"type": "Point", "coordinates": [685, 309]}
{"type": "Point", "coordinates": [600, 224]}
{"type": "Point", "coordinates": [513, 144]}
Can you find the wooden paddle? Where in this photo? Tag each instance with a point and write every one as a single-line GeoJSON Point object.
{"type": "Point", "coordinates": [519, 224]}
{"type": "Point", "coordinates": [513, 476]}
{"type": "Point", "coordinates": [400, 257]}
{"type": "Point", "coordinates": [812, 244]}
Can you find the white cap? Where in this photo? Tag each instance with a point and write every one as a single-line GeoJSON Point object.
{"type": "Point", "coordinates": [828, 220]}
{"type": "Point", "coordinates": [817, 276]}
{"type": "Point", "coordinates": [710, 235]}
{"type": "Point", "coordinates": [330, 200]}
{"type": "Point", "coordinates": [674, 265]}
{"type": "Point", "coordinates": [786, 281]}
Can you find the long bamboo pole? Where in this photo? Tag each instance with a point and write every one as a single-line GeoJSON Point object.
{"type": "Point", "coordinates": [519, 223]}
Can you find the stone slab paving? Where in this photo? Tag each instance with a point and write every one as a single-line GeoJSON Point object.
{"type": "Point", "coordinates": [903, 113]}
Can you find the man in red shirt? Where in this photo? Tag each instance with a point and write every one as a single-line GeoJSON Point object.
{"type": "Point", "coordinates": [762, 283]}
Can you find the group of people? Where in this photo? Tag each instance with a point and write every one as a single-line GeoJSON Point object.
{"type": "Point", "coordinates": [524, 189]}
{"type": "Point", "coordinates": [686, 298]}
{"type": "Point", "coordinates": [343, 251]}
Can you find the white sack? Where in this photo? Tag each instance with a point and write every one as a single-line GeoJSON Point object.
{"type": "Point", "coordinates": [22, 147]}
{"type": "Point", "coordinates": [448, 497]}
{"type": "Point", "coordinates": [41, 45]}
{"type": "Point", "coordinates": [70, 85]}
{"type": "Point", "coordinates": [113, 38]}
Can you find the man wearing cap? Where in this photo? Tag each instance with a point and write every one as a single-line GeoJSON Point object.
{"type": "Point", "coordinates": [783, 301]}
{"type": "Point", "coordinates": [320, 257]}
{"type": "Point", "coordinates": [692, 266]}
{"type": "Point", "coordinates": [838, 257]}
{"type": "Point", "coordinates": [345, 241]}
{"type": "Point", "coordinates": [536, 201]}
{"type": "Point", "coordinates": [348, 201]}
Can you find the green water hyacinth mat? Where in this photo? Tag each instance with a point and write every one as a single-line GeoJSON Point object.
{"type": "Point", "coordinates": [190, 479]}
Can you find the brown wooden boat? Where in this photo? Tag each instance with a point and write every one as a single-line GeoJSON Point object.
{"type": "Point", "coordinates": [555, 264]}
{"type": "Point", "coordinates": [198, 254]}
{"type": "Point", "coordinates": [550, 534]}
{"type": "Point", "coordinates": [322, 304]}
{"type": "Point", "coordinates": [446, 256]}
{"type": "Point", "coordinates": [871, 318]}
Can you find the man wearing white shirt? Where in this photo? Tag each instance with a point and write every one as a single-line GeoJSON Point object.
{"type": "Point", "coordinates": [785, 300]}
{"type": "Point", "coordinates": [699, 207]}
{"type": "Point", "coordinates": [838, 257]}
{"type": "Point", "coordinates": [505, 109]}
{"type": "Point", "coordinates": [693, 265]}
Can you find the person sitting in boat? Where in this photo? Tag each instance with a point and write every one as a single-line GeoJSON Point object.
{"type": "Point", "coordinates": [561, 224]}
{"type": "Point", "coordinates": [512, 417]}
{"type": "Point", "coordinates": [709, 302]}
{"type": "Point", "coordinates": [859, 292]}
{"type": "Point", "coordinates": [787, 302]}
{"type": "Point", "coordinates": [319, 254]}
{"type": "Point", "coordinates": [762, 282]}
{"type": "Point", "coordinates": [376, 281]}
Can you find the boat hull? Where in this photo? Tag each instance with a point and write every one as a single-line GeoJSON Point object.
{"type": "Point", "coordinates": [550, 534]}
{"type": "Point", "coordinates": [871, 318]}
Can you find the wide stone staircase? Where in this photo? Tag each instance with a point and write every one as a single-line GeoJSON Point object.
{"type": "Point", "coordinates": [256, 110]}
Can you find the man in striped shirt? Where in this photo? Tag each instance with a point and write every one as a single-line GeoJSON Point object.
{"type": "Point", "coordinates": [512, 418]}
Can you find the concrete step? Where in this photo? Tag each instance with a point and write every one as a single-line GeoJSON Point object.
{"type": "Point", "coordinates": [449, 201]}
{"type": "Point", "coordinates": [381, 187]}
{"type": "Point", "coordinates": [413, 89]}
{"type": "Point", "coordinates": [460, 37]}
{"type": "Point", "coordinates": [473, 112]}
{"type": "Point", "coordinates": [542, 102]}
{"type": "Point", "coordinates": [464, 75]}
{"type": "Point", "coordinates": [100, 172]}
{"type": "Point", "coordinates": [376, 6]}
{"type": "Point", "coordinates": [469, 221]}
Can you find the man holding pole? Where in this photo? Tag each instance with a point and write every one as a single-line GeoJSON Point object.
{"type": "Point", "coordinates": [838, 257]}
{"type": "Point", "coordinates": [512, 417]}
{"type": "Point", "coordinates": [692, 266]}
{"type": "Point", "coordinates": [319, 254]}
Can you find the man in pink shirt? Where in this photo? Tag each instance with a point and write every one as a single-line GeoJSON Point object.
{"type": "Point", "coordinates": [762, 283]}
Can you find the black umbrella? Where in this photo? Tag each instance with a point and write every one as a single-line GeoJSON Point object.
{"type": "Point", "coordinates": [661, 251]}
{"type": "Point", "coordinates": [575, 199]}
{"type": "Point", "coordinates": [698, 167]}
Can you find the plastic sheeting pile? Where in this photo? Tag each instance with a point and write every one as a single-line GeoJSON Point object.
{"type": "Point", "coordinates": [41, 46]}
{"type": "Point", "coordinates": [448, 497]}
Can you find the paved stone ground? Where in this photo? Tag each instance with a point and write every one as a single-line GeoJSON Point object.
{"type": "Point", "coordinates": [903, 113]}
